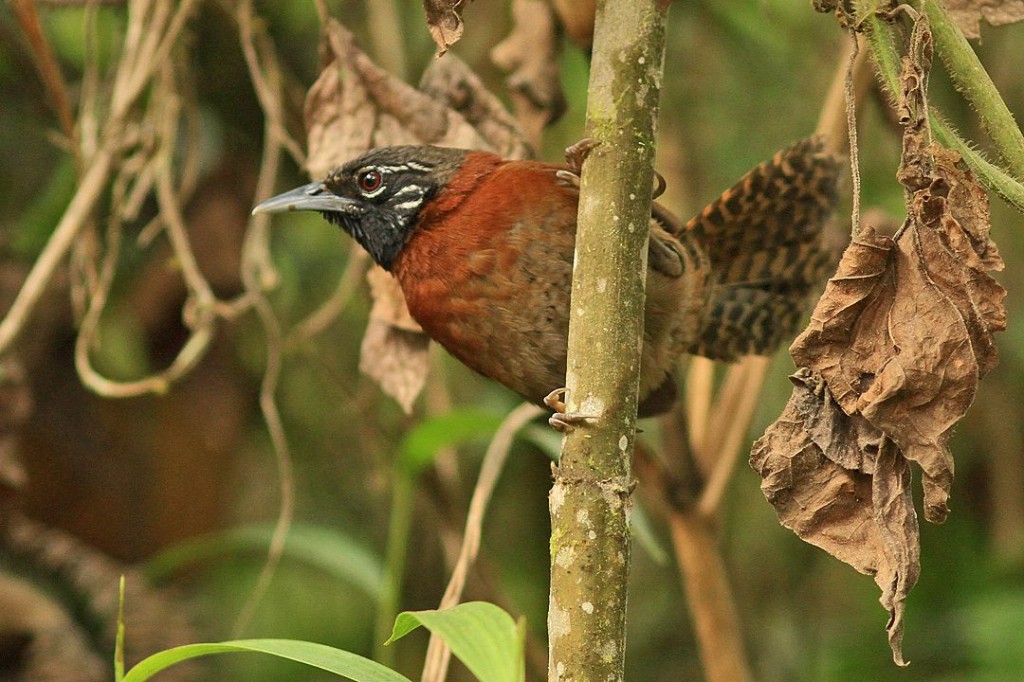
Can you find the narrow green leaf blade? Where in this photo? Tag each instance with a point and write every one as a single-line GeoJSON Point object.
{"type": "Point", "coordinates": [481, 635]}
{"type": "Point", "coordinates": [421, 445]}
{"type": "Point", "coordinates": [119, 638]}
{"type": "Point", "coordinates": [327, 549]}
{"type": "Point", "coordinates": [343, 663]}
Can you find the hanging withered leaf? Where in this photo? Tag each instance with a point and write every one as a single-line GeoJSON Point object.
{"type": "Point", "coordinates": [889, 363]}
{"type": "Point", "coordinates": [444, 19]}
{"type": "Point", "coordinates": [394, 348]}
{"type": "Point", "coordinates": [841, 485]}
{"type": "Point", "coordinates": [530, 55]}
{"type": "Point", "coordinates": [577, 17]}
{"type": "Point", "coordinates": [355, 105]}
{"type": "Point", "coordinates": [968, 14]}
{"type": "Point", "coordinates": [451, 82]}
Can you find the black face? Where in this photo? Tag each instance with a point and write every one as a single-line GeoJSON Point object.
{"type": "Point", "coordinates": [385, 190]}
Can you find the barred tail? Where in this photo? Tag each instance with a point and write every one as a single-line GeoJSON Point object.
{"type": "Point", "coordinates": [763, 237]}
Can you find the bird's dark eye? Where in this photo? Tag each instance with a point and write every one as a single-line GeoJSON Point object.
{"type": "Point", "coordinates": [370, 181]}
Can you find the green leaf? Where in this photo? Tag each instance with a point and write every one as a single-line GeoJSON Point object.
{"type": "Point", "coordinates": [421, 445]}
{"type": "Point", "coordinates": [327, 549]}
{"type": "Point", "coordinates": [480, 634]}
{"type": "Point", "coordinates": [119, 638]}
{"type": "Point", "coordinates": [348, 665]}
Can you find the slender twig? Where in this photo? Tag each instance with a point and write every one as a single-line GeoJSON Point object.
{"type": "Point", "coordinates": [722, 416]}
{"type": "Point", "coordinates": [753, 370]}
{"type": "Point", "coordinates": [252, 278]}
{"type": "Point", "coordinates": [88, 116]}
{"type": "Point", "coordinates": [162, 34]}
{"type": "Point", "coordinates": [700, 562]}
{"type": "Point", "coordinates": [700, 386]}
{"type": "Point", "coordinates": [139, 61]}
{"type": "Point", "coordinates": [257, 271]}
{"type": "Point", "coordinates": [265, 75]}
{"type": "Point", "coordinates": [49, 70]}
{"type": "Point", "coordinates": [850, 99]}
{"type": "Point", "coordinates": [200, 310]}
{"type": "Point", "coordinates": [436, 665]}
{"type": "Point", "coordinates": [709, 595]}
{"type": "Point", "coordinates": [321, 11]}
{"type": "Point", "coordinates": [388, 37]}
{"type": "Point", "coordinates": [78, 211]}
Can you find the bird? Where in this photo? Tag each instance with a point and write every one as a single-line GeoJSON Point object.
{"type": "Point", "coordinates": [482, 249]}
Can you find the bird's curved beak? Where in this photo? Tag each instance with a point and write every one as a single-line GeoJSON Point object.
{"type": "Point", "coordinates": [312, 197]}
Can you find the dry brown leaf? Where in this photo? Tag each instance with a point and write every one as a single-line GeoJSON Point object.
{"type": "Point", "coordinates": [356, 105]}
{"type": "Point", "coordinates": [394, 348]}
{"type": "Point", "coordinates": [840, 485]}
{"type": "Point", "coordinates": [444, 19]}
{"type": "Point", "coordinates": [396, 359]}
{"type": "Point", "coordinates": [389, 301]}
{"type": "Point", "coordinates": [900, 339]}
{"type": "Point", "coordinates": [968, 14]}
{"type": "Point", "coordinates": [452, 83]}
{"type": "Point", "coordinates": [530, 55]}
{"type": "Point", "coordinates": [577, 17]}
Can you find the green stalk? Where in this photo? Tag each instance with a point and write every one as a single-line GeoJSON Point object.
{"type": "Point", "coordinates": [881, 40]}
{"type": "Point", "coordinates": [590, 498]}
{"type": "Point", "coordinates": [399, 523]}
{"type": "Point", "coordinates": [973, 82]}
{"type": "Point", "coordinates": [991, 176]}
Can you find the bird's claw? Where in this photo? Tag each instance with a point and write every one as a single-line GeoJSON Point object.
{"type": "Point", "coordinates": [568, 178]}
{"type": "Point", "coordinates": [659, 189]}
{"type": "Point", "coordinates": [554, 399]}
{"type": "Point", "coordinates": [563, 420]}
{"type": "Point", "coordinates": [577, 153]}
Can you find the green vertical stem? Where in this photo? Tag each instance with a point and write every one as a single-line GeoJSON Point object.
{"type": "Point", "coordinates": [972, 81]}
{"type": "Point", "coordinates": [881, 40]}
{"type": "Point", "coordinates": [399, 523]}
{"type": "Point", "coordinates": [590, 498]}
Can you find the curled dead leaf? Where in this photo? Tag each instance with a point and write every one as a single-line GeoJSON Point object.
{"type": "Point", "coordinates": [841, 485]}
{"type": "Point", "coordinates": [890, 362]}
{"type": "Point", "coordinates": [968, 14]}
{"type": "Point", "coordinates": [394, 349]}
{"type": "Point", "coordinates": [452, 83]}
{"type": "Point", "coordinates": [396, 359]}
{"type": "Point", "coordinates": [904, 332]}
{"type": "Point", "coordinates": [900, 338]}
{"type": "Point", "coordinates": [389, 302]}
{"type": "Point", "coordinates": [355, 105]}
{"type": "Point", "coordinates": [444, 19]}
{"type": "Point", "coordinates": [577, 17]}
{"type": "Point", "coordinates": [530, 54]}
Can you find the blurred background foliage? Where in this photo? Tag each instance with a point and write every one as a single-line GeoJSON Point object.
{"type": "Point", "coordinates": [141, 479]}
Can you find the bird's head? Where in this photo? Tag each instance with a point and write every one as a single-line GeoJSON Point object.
{"type": "Point", "coordinates": [377, 197]}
